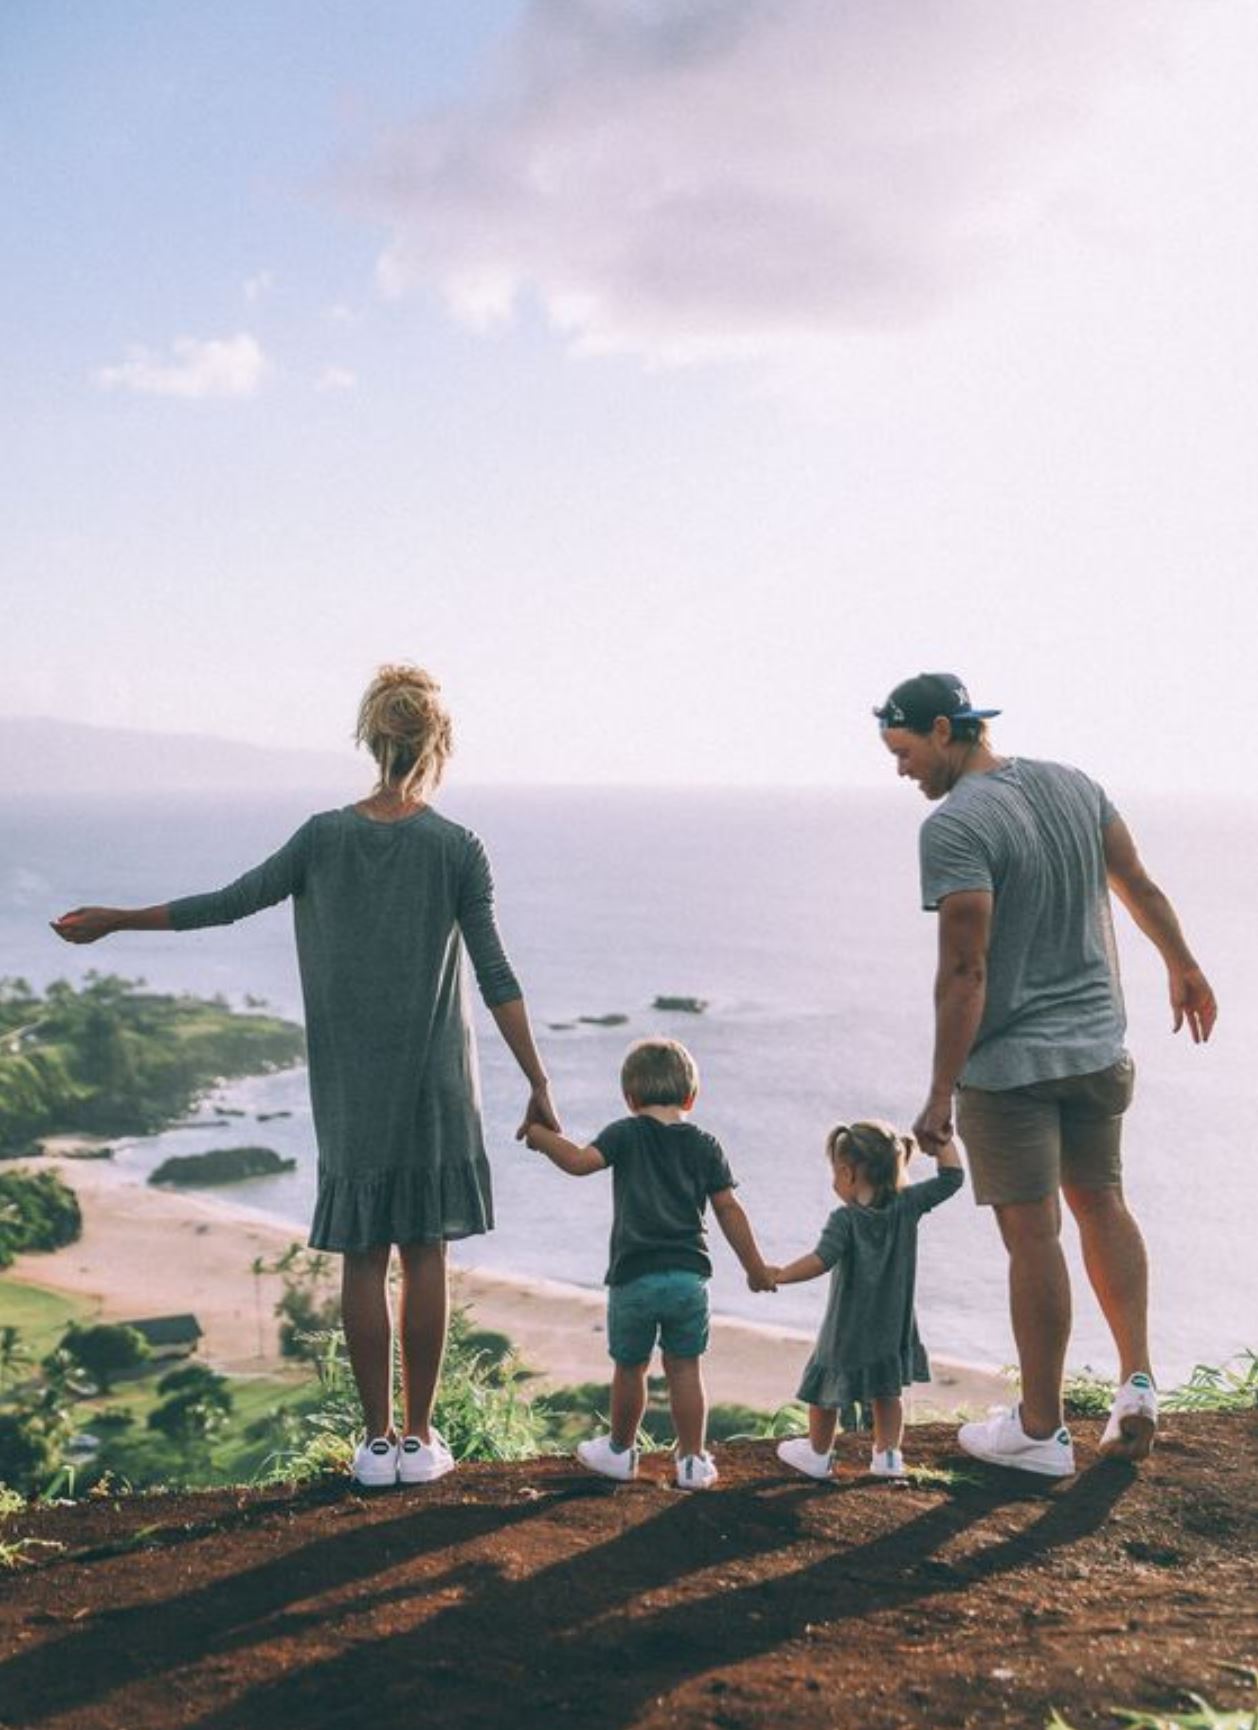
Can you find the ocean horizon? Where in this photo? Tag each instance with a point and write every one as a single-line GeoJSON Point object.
{"type": "Point", "coordinates": [794, 914]}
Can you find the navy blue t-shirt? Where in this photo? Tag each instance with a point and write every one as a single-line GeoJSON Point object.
{"type": "Point", "coordinates": [662, 1176]}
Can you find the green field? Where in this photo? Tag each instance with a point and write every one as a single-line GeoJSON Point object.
{"type": "Point", "coordinates": [42, 1316]}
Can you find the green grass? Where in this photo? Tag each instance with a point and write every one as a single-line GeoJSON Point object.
{"type": "Point", "coordinates": [1200, 1714]}
{"type": "Point", "coordinates": [43, 1316]}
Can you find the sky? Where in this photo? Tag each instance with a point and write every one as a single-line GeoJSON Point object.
{"type": "Point", "coordinates": [671, 377]}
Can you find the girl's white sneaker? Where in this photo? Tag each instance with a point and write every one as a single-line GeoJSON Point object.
{"type": "Point", "coordinates": [799, 1453]}
{"type": "Point", "coordinates": [887, 1463]}
{"type": "Point", "coordinates": [374, 1465]}
{"type": "Point", "coordinates": [696, 1471]}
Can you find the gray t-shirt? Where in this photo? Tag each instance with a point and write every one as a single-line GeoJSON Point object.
{"type": "Point", "coordinates": [1030, 833]}
{"type": "Point", "coordinates": [662, 1176]}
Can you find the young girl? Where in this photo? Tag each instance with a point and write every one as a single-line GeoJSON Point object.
{"type": "Point", "coordinates": [868, 1348]}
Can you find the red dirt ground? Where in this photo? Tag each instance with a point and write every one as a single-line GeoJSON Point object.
{"type": "Point", "coordinates": [531, 1595]}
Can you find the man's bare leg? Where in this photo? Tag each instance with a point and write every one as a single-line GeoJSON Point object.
{"type": "Point", "coordinates": [1115, 1259]}
{"type": "Point", "coordinates": [1039, 1306]}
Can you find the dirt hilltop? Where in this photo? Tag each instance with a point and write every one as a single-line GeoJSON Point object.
{"type": "Point", "coordinates": [534, 1595]}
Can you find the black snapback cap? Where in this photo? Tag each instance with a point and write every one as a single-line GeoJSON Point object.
{"type": "Point", "coordinates": [916, 703]}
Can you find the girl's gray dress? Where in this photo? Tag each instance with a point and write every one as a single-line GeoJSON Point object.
{"type": "Point", "coordinates": [869, 1347]}
{"type": "Point", "coordinates": [382, 912]}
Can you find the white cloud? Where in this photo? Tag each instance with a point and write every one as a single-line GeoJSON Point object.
{"type": "Point", "coordinates": [257, 287]}
{"type": "Point", "coordinates": [336, 378]}
{"type": "Point", "coordinates": [230, 366]}
{"type": "Point", "coordinates": [678, 177]}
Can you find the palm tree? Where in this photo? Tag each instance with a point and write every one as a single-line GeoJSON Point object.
{"type": "Point", "coordinates": [13, 1351]}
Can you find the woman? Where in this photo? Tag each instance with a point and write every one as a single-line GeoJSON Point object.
{"type": "Point", "coordinates": [386, 894]}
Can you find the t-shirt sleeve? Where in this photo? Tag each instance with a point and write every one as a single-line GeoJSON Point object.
{"type": "Point", "coordinates": [919, 1198]}
{"type": "Point", "coordinates": [952, 859]}
{"type": "Point", "coordinates": [835, 1237]}
{"type": "Point", "coordinates": [616, 1140]}
{"type": "Point", "coordinates": [478, 923]}
{"type": "Point", "coordinates": [278, 877]}
{"type": "Point", "coordinates": [718, 1175]}
{"type": "Point", "coordinates": [1109, 811]}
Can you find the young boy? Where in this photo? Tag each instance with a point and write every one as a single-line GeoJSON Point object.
{"type": "Point", "coordinates": [664, 1172]}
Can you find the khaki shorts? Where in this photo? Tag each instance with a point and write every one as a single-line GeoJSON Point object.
{"type": "Point", "coordinates": [1025, 1142]}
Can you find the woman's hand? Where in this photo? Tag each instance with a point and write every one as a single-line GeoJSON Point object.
{"type": "Point", "coordinates": [539, 1109]}
{"type": "Point", "coordinates": [86, 924]}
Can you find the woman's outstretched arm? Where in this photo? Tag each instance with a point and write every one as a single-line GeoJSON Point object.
{"type": "Point", "coordinates": [274, 880]}
{"type": "Point", "coordinates": [89, 924]}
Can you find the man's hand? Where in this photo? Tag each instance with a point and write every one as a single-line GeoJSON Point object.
{"type": "Point", "coordinates": [763, 1278]}
{"type": "Point", "coordinates": [1192, 1001]}
{"type": "Point", "coordinates": [85, 924]}
{"type": "Point", "coordinates": [933, 1127]}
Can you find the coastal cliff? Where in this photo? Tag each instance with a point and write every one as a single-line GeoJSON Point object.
{"type": "Point", "coordinates": [534, 1595]}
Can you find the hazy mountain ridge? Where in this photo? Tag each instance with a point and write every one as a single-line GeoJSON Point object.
{"type": "Point", "coordinates": [42, 755]}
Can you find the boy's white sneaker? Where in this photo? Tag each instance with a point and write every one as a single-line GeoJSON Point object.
{"type": "Point", "coordinates": [374, 1465]}
{"type": "Point", "coordinates": [1133, 1420]}
{"type": "Point", "coordinates": [1001, 1441]}
{"type": "Point", "coordinates": [887, 1463]}
{"type": "Point", "coordinates": [421, 1462]}
{"type": "Point", "coordinates": [799, 1453]}
{"type": "Point", "coordinates": [696, 1471]}
{"type": "Point", "coordinates": [599, 1455]}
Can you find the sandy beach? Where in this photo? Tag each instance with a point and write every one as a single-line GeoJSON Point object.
{"type": "Point", "coordinates": [149, 1252]}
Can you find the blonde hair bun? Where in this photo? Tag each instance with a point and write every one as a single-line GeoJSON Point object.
{"type": "Point", "coordinates": [407, 728]}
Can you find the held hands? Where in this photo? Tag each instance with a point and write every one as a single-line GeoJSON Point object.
{"type": "Point", "coordinates": [763, 1278]}
{"type": "Point", "coordinates": [540, 1110]}
{"type": "Point", "coordinates": [1193, 1001]}
{"type": "Point", "coordinates": [85, 924]}
{"type": "Point", "coordinates": [933, 1128]}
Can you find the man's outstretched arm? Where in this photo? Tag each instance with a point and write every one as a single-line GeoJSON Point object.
{"type": "Point", "coordinates": [1192, 1000]}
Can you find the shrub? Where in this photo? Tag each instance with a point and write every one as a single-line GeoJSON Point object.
{"type": "Point", "coordinates": [37, 1211]}
{"type": "Point", "coordinates": [105, 1350]}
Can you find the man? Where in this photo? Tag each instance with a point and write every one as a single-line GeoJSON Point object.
{"type": "Point", "coordinates": [1029, 1023]}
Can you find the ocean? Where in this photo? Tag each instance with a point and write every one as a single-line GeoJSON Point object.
{"type": "Point", "coordinates": [795, 915]}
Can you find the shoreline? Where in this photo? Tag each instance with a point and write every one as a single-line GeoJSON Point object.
{"type": "Point", "coordinates": [155, 1251]}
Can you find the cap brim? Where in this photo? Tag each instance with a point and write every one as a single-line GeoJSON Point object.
{"type": "Point", "coordinates": [974, 714]}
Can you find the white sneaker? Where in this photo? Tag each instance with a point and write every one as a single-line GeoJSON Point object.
{"type": "Point", "coordinates": [374, 1465]}
{"type": "Point", "coordinates": [696, 1472]}
{"type": "Point", "coordinates": [887, 1463]}
{"type": "Point", "coordinates": [422, 1462]}
{"type": "Point", "coordinates": [599, 1455]}
{"type": "Point", "coordinates": [799, 1453]}
{"type": "Point", "coordinates": [1001, 1441]}
{"type": "Point", "coordinates": [1132, 1422]}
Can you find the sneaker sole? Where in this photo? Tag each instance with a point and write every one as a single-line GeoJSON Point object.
{"type": "Point", "coordinates": [373, 1483]}
{"type": "Point", "coordinates": [1020, 1465]}
{"type": "Point", "coordinates": [1134, 1440]}
{"type": "Point", "coordinates": [612, 1477]}
{"type": "Point", "coordinates": [427, 1477]}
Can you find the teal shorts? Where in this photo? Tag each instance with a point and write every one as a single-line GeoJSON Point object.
{"type": "Point", "coordinates": [671, 1306]}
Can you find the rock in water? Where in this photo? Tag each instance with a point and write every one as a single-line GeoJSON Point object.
{"type": "Point", "coordinates": [220, 1165]}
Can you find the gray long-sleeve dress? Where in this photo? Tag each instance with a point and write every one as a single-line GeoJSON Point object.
{"type": "Point", "coordinates": [868, 1346]}
{"type": "Point", "coordinates": [382, 913]}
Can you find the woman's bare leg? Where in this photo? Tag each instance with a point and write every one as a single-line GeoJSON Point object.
{"type": "Point", "coordinates": [369, 1333]}
{"type": "Point", "coordinates": [424, 1317]}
